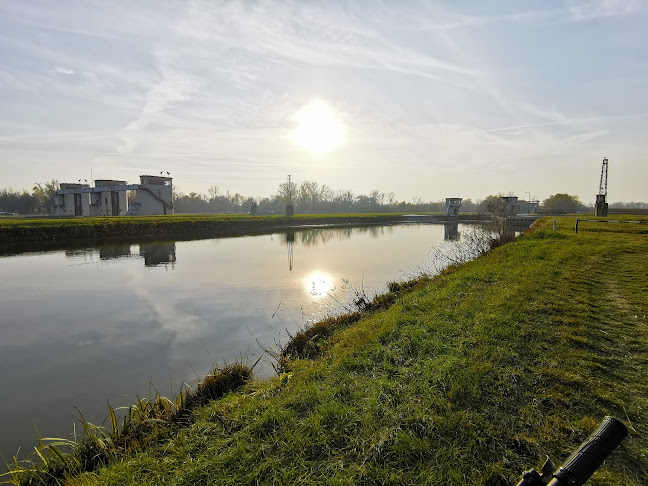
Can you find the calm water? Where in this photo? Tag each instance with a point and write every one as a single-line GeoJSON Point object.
{"type": "Point", "coordinates": [80, 327]}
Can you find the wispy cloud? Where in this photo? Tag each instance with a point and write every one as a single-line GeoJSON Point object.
{"type": "Point", "coordinates": [570, 11]}
{"type": "Point", "coordinates": [514, 128]}
{"type": "Point", "coordinates": [173, 87]}
{"type": "Point", "coordinates": [586, 10]}
{"type": "Point", "coordinates": [166, 311]}
{"type": "Point", "coordinates": [62, 70]}
{"type": "Point", "coordinates": [211, 88]}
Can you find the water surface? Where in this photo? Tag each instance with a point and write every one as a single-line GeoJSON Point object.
{"type": "Point", "coordinates": [79, 327]}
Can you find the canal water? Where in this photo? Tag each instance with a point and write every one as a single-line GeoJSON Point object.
{"type": "Point", "coordinates": [81, 327]}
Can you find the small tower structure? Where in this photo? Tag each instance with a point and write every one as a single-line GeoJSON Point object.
{"type": "Point", "coordinates": [511, 205]}
{"type": "Point", "coordinates": [154, 195]}
{"type": "Point", "coordinates": [452, 206]}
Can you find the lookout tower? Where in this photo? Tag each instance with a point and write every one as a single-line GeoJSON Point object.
{"type": "Point", "coordinates": [452, 206]}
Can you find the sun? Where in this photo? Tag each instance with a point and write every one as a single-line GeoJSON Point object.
{"type": "Point", "coordinates": [318, 128]}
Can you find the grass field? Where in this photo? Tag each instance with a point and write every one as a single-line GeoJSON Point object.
{"type": "Point", "coordinates": [471, 378]}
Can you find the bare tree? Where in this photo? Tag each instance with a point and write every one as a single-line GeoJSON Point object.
{"type": "Point", "coordinates": [45, 194]}
{"type": "Point", "coordinates": [213, 192]}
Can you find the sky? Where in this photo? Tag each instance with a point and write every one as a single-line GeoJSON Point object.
{"type": "Point", "coordinates": [426, 99]}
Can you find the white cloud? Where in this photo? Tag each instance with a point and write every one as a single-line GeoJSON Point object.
{"type": "Point", "coordinates": [209, 89]}
{"type": "Point", "coordinates": [62, 70]}
{"type": "Point", "coordinates": [586, 10]}
{"type": "Point", "coordinates": [166, 311]}
{"type": "Point", "coordinates": [173, 87]}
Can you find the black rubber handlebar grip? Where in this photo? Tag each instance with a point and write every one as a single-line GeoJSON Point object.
{"type": "Point", "coordinates": [580, 466]}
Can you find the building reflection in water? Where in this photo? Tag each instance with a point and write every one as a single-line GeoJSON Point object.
{"type": "Point", "coordinates": [114, 252]}
{"type": "Point", "coordinates": [154, 254]}
{"type": "Point", "coordinates": [451, 231]}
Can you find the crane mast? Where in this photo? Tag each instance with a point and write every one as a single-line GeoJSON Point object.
{"type": "Point", "coordinates": [604, 175]}
{"type": "Point", "coordinates": [601, 206]}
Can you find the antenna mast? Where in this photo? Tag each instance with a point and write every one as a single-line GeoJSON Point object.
{"type": "Point", "coordinates": [290, 190]}
{"type": "Point", "coordinates": [290, 208]}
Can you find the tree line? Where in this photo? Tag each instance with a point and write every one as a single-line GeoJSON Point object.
{"type": "Point", "coordinates": [307, 197]}
{"type": "Point", "coordinates": [39, 201]}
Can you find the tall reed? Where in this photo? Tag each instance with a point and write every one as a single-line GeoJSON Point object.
{"type": "Point", "coordinates": [147, 421]}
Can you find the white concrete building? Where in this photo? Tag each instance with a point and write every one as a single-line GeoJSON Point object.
{"type": "Point", "coordinates": [154, 196]}
{"type": "Point", "coordinates": [109, 197]}
{"type": "Point", "coordinates": [70, 201]}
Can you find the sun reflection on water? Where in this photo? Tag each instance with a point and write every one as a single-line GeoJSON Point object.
{"type": "Point", "coordinates": [318, 284]}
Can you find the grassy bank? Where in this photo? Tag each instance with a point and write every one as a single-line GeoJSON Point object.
{"type": "Point", "coordinates": [65, 229]}
{"type": "Point", "coordinates": [469, 378]}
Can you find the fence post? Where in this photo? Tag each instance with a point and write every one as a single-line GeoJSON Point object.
{"type": "Point", "coordinates": [576, 225]}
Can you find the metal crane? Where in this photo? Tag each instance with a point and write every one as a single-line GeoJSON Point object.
{"type": "Point", "coordinates": [601, 206]}
{"type": "Point", "coordinates": [604, 174]}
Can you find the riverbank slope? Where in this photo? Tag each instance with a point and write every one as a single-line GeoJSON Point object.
{"type": "Point", "coordinates": [14, 230]}
{"type": "Point", "coordinates": [469, 378]}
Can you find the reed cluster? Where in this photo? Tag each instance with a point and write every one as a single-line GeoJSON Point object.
{"type": "Point", "coordinates": [144, 424]}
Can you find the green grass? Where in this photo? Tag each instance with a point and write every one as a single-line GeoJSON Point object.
{"type": "Point", "coordinates": [57, 229]}
{"type": "Point", "coordinates": [469, 378]}
{"type": "Point", "coordinates": [143, 424]}
{"type": "Point", "coordinates": [65, 221]}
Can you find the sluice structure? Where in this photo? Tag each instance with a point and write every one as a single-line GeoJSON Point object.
{"type": "Point", "coordinates": [108, 197]}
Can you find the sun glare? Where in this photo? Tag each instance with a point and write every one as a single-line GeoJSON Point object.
{"type": "Point", "coordinates": [318, 129]}
{"type": "Point", "coordinates": [318, 284]}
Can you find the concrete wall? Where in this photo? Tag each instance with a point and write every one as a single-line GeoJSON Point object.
{"type": "Point", "coordinates": [123, 202]}
{"type": "Point", "coordinates": [96, 204]}
{"type": "Point", "coordinates": [154, 197]}
{"type": "Point", "coordinates": [147, 204]}
{"type": "Point", "coordinates": [102, 203]}
{"type": "Point", "coordinates": [64, 205]}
